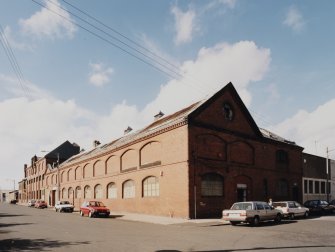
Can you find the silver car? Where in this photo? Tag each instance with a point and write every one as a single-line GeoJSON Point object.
{"type": "Point", "coordinates": [252, 212]}
{"type": "Point", "coordinates": [291, 209]}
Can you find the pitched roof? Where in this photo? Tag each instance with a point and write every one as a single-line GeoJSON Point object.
{"type": "Point", "coordinates": [166, 123]}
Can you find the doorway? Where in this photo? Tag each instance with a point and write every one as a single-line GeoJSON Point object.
{"type": "Point", "coordinates": [241, 192]}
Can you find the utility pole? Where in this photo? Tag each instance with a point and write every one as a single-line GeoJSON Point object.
{"type": "Point", "coordinates": [327, 172]}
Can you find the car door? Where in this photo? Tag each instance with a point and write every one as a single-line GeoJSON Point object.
{"type": "Point", "coordinates": [270, 212]}
{"type": "Point", "coordinates": [261, 211]}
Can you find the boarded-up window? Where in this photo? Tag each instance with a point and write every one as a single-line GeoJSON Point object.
{"type": "Point", "coordinates": [211, 147]}
{"type": "Point", "coordinates": [98, 192]}
{"type": "Point", "coordinates": [111, 191]}
{"type": "Point", "coordinates": [150, 154]}
{"type": "Point", "coordinates": [78, 192]}
{"type": "Point", "coordinates": [88, 171]}
{"type": "Point", "coordinates": [87, 192]}
{"type": "Point", "coordinates": [77, 173]}
{"type": "Point", "coordinates": [129, 160]}
{"type": "Point", "coordinates": [241, 152]}
{"type": "Point", "coordinates": [99, 168]}
{"type": "Point", "coordinates": [113, 165]}
{"type": "Point", "coordinates": [128, 189]}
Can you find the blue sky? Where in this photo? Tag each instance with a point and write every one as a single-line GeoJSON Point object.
{"type": "Point", "coordinates": [79, 87]}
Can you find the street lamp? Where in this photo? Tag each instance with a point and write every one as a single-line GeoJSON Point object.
{"type": "Point", "coordinates": [327, 172]}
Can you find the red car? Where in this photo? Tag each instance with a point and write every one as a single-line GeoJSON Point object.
{"type": "Point", "coordinates": [41, 204]}
{"type": "Point", "coordinates": [94, 209]}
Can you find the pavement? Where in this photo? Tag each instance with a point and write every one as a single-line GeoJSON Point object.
{"type": "Point", "coordinates": [161, 220]}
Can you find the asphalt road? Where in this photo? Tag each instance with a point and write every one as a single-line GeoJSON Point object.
{"type": "Point", "coordinates": [27, 229]}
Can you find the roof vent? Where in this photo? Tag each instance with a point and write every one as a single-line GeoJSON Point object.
{"type": "Point", "coordinates": [96, 143]}
{"type": "Point", "coordinates": [127, 130]}
{"type": "Point", "coordinates": [159, 115]}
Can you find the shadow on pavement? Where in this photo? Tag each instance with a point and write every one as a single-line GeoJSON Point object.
{"type": "Point", "coordinates": [34, 244]}
{"type": "Point", "coordinates": [4, 225]}
{"type": "Point", "coordinates": [10, 215]}
{"type": "Point", "coordinates": [255, 249]}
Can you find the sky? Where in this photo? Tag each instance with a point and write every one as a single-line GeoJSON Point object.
{"type": "Point", "coordinates": [86, 70]}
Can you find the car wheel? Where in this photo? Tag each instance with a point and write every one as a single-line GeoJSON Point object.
{"type": "Point", "coordinates": [234, 223]}
{"type": "Point", "coordinates": [291, 216]}
{"type": "Point", "coordinates": [306, 214]}
{"type": "Point", "coordinates": [255, 221]}
{"type": "Point", "coordinates": [90, 214]}
{"type": "Point", "coordinates": [278, 218]}
{"type": "Point", "coordinates": [81, 213]}
{"type": "Point", "coordinates": [56, 209]}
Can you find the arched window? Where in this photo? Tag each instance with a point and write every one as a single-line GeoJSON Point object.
{"type": "Point", "coordinates": [78, 192]}
{"type": "Point", "coordinates": [87, 192]}
{"type": "Point", "coordinates": [98, 192]}
{"type": "Point", "coordinates": [128, 189]}
{"type": "Point", "coordinates": [70, 193]}
{"type": "Point", "coordinates": [212, 185]}
{"type": "Point", "coordinates": [77, 173]}
{"type": "Point", "coordinates": [111, 191]}
{"type": "Point", "coordinates": [63, 193]}
{"type": "Point", "coordinates": [150, 187]}
{"type": "Point", "coordinates": [62, 177]}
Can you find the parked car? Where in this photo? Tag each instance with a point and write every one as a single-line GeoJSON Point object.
{"type": "Point", "coordinates": [64, 206]}
{"type": "Point", "coordinates": [291, 209]}
{"type": "Point", "coordinates": [31, 203]}
{"type": "Point", "coordinates": [94, 209]}
{"type": "Point", "coordinates": [252, 212]}
{"type": "Point", "coordinates": [319, 207]}
{"type": "Point", "coordinates": [41, 204]}
{"type": "Point", "coordinates": [332, 203]}
{"type": "Point", "coordinates": [13, 201]}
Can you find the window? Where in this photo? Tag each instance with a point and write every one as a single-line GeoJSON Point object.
{"type": "Point", "coordinates": [87, 192]}
{"type": "Point", "coordinates": [70, 193]}
{"type": "Point", "coordinates": [63, 193]}
{"type": "Point", "coordinates": [282, 188]}
{"type": "Point", "coordinates": [227, 111]}
{"type": "Point", "coordinates": [98, 192]}
{"type": "Point", "coordinates": [111, 191]}
{"type": "Point", "coordinates": [129, 189]}
{"type": "Point", "coordinates": [78, 192]}
{"type": "Point", "coordinates": [305, 186]}
{"type": "Point", "coordinates": [151, 187]}
{"type": "Point", "coordinates": [281, 157]}
{"type": "Point", "coordinates": [211, 185]}
{"type": "Point", "coordinates": [310, 186]}
{"type": "Point", "coordinates": [317, 186]}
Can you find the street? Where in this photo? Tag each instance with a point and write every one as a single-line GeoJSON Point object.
{"type": "Point", "coordinates": [27, 229]}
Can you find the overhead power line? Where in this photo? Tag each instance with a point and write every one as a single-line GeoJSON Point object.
{"type": "Point", "coordinates": [153, 60]}
{"type": "Point", "coordinates": [14, 63]}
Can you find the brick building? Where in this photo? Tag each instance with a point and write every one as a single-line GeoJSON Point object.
{"type": "Point", "coordinates": [190, 164]}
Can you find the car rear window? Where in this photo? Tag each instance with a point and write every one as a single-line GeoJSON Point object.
{"type": "Point", "coordinates": [242, 206]}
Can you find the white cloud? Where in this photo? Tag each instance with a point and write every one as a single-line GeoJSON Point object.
{"type": "Point", "coordinates": [22, 88]}
{"type": "Point", "coordinates": [294, 19]}
{"type": "Point", "coordinates": [312, 130]}
{"type": "Point", "coordinates": [184, 25]}
{"type": "Point", "coordinates": [28, 126]}
{"type": "Point", "coordinates": [100, 75]}
{"type": "Point", "coordinates": [13, 42]}
{"type": "Point", "coordinates": [45, 23]}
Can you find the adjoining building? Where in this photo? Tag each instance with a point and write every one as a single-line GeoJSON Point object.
{"type": "Point", "coordinates": [191, 164]}
{"type": "Point", "coordinates": [318, 178]}
{"type": "Point", "coordinates": [34, 186]}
